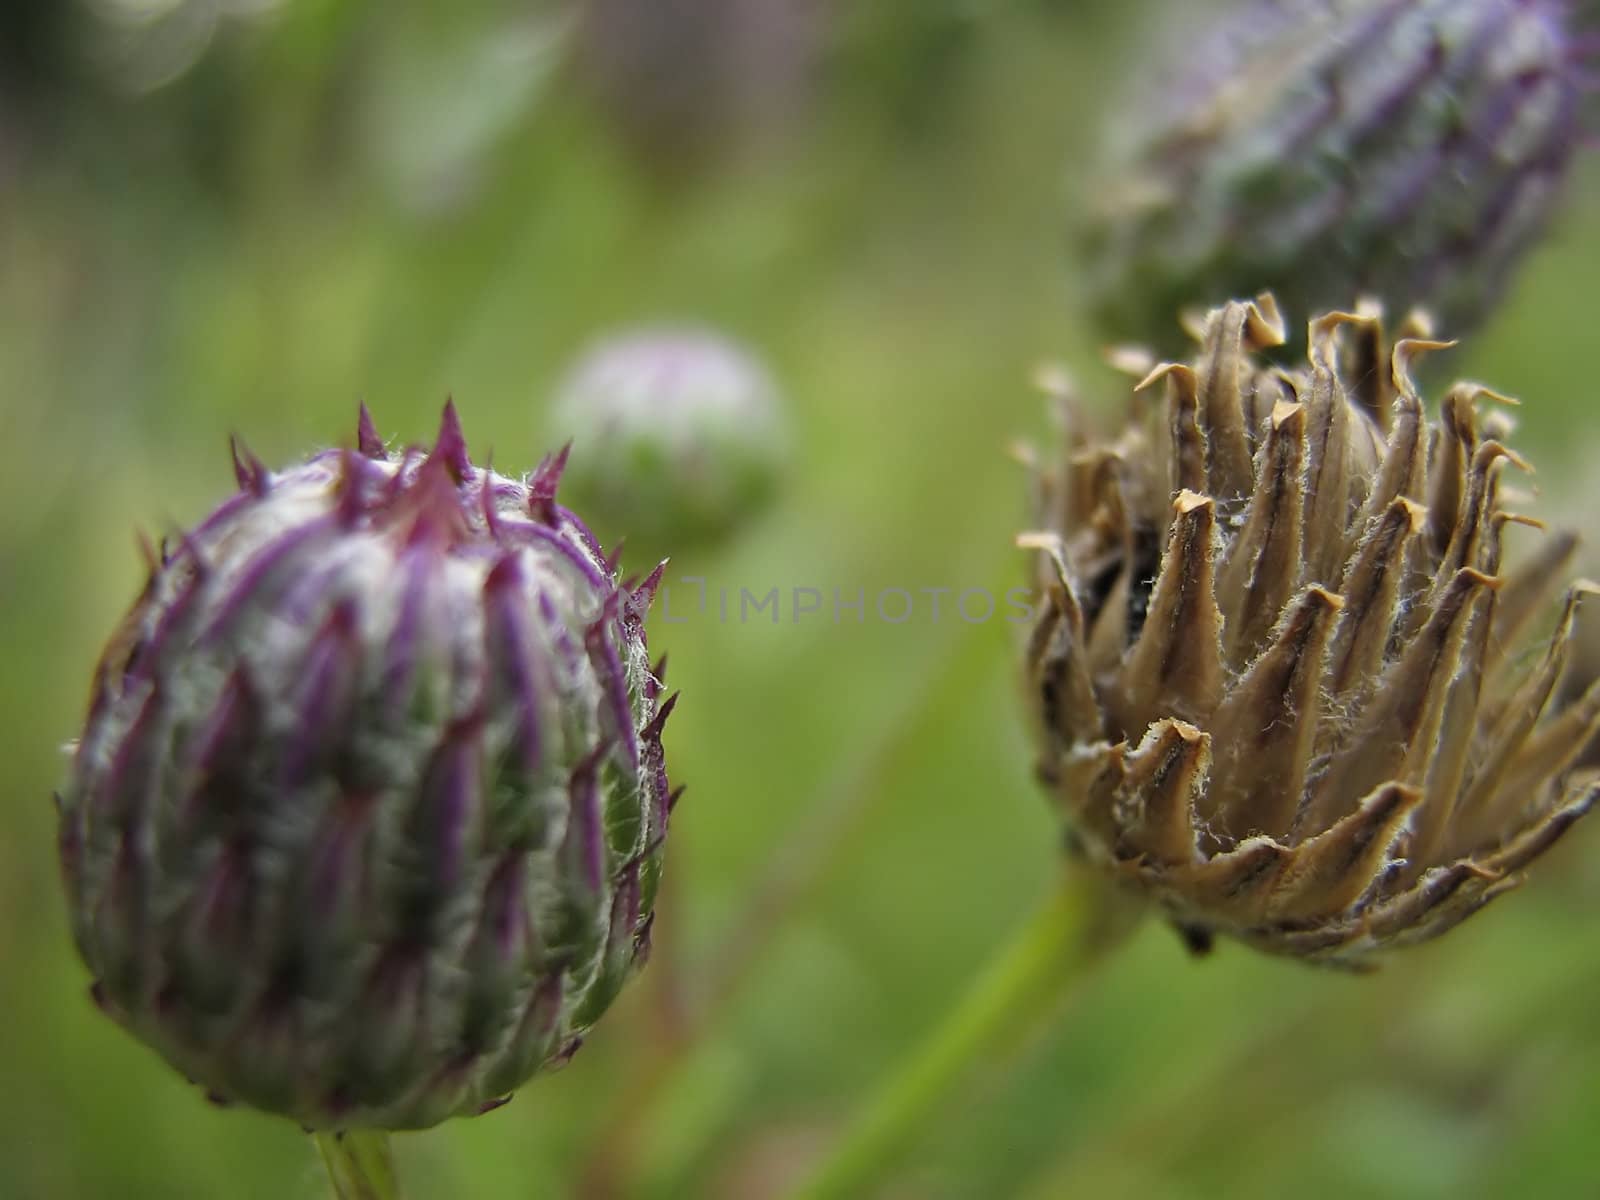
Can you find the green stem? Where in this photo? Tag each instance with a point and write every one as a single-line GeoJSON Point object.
{"type": "Point", "coordinates": [359, 1164]}
{"type": "Point", "coordinates": [1071, 931]}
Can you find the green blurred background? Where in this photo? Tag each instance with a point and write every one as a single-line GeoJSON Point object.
{"type": "Point", "coordinates": [244, 217]}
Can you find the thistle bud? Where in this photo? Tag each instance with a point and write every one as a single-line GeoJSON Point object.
{"type": "Point", "coordinates": [677, 436]}
{"type": "Point", "coordinates": [1329, 149]}
{"type": "Point", "coordinates": [365, 824]}
{"type": "Point", "coordinates": [1279, 670]}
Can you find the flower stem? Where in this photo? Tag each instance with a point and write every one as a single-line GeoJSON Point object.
{"type": "Point", "coordinates": [1079, 922]}
{"type": "Point", "coordinates": [359, 1164]}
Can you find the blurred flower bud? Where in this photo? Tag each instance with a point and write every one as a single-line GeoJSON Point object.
{"type": "Point", "coordinates": [1279, 673]}
{"type": "Point", "coordinates": [1327, 149]}
{"type": "Point", "coordinates": [678, 436]}
{"type": "Point", "coordinates": [365, 826]}
{"type": "Point", "coordinates": [684, 80]}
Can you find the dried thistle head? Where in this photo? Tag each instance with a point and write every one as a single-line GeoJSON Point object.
{"type": "Point", "coordinates": [1279, 672]}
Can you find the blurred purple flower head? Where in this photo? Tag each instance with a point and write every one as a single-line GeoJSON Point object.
{"type": "Point", "coordinates": [684, 80]}
{"type": "Point", "coordinates": [1331, 149]}
{"type": "Point", "coordinates": [1285, 687]}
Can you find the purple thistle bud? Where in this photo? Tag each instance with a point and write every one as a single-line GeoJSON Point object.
{"type": "Point", "coordinates": [1327, 150]}
{"type": "Point", "coordinates": [370, 792]}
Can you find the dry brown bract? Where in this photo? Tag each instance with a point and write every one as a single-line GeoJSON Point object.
{"type": "Point", "coordinates": [1280, 678]}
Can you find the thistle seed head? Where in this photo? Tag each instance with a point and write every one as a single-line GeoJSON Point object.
{"type": "Point", "coordinates": [1327, 149]}
{"type": "Point", "coordinates": [1280, 673]}
{"type": "Point", "coordinates": [365, 824]}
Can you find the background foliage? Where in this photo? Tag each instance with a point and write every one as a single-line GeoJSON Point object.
{"type": "Point", "coordinates": [251, 219]}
